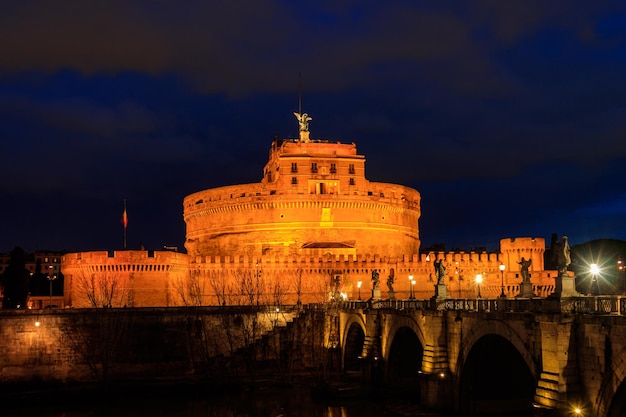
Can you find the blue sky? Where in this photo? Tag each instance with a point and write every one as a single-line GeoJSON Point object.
{"type": "Point", "coordinates": [508, 117]}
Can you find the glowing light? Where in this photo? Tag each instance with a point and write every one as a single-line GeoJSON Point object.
{"type": "Point", "coordinates": [37, 324]}
{"type": "Point", "coordinates": [479, 279]}
{"type": "Point", "coordinates": [594, 269]}
{"type": "Point", "coordinates": [358, 284]}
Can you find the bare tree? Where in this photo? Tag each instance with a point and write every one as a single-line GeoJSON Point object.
{"type": "Point", "coordinates": [104, 289]}
{"type": "Point", "coordinates": [192, 289]}
{"type": "Point", "coordinates": [95, 337]}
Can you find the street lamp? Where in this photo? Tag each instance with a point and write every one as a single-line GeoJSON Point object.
{"type": "Point", "coordinates": [51, 277]}
{"type": "Point", "coordinates": [479, 279]}
{"type": "Point", "coordinates": [358, 285]}
{"type": "Point", "coordinates": [412, 282]}
{"type": "Point", "coordinates": [595, 270]}
{"type": "Point", "coordinates": [502, 294]}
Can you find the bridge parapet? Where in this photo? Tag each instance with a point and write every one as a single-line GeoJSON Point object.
{"type": "Point", "coordinates": [615, 305]}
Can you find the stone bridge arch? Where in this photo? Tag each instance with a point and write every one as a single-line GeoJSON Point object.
{"type": "Point", "coordinates": [611, 401]}
{"type": "Point", "coordinates": [401, 326]}
{"type": "Point", "coordinates": [496, 369]}
{"type": "Point", "coordinates": [396, 322]}
{"type": "Point", "coordinates": [353, 333]}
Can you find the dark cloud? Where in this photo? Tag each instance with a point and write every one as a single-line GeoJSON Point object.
{"type": "Point", "coordinates": [507, 116]}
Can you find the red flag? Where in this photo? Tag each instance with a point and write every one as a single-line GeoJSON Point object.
{"type": "Point", "coordinates": [125, 218]}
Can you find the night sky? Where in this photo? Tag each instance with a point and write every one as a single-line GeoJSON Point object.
{"type": "Point", "coordinates": [509, 117]}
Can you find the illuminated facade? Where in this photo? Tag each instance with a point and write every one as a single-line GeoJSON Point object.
{"type": "Point", "coordinates": [312, 228]}
{"type": "Point", "coordinates": [314, 199]}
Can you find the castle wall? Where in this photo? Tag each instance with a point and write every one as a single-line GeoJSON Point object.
{"type": "Point", "coordinates": [69, 345]}
{"type": "Point", "coordinates": [172, 279]}
{"type": "Point", "coordinates": [313, 193]}
{"type": "Point", "coordinates": [251, 220]}
{"type": "Point", "coordinates": [123, 278]}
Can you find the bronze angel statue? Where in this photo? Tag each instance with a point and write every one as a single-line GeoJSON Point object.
{"type": "Point", "coordinates": [303, 119]}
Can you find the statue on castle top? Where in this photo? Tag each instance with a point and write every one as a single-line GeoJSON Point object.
{"type": "Point", "coordinates": [375, 279]}
{"type": "Point", "coordinates": [303, 120]}
{"type": "Point", "coordinates": [562, 253]}
{"type": "Point", "coordinates": [440, 271]}
{"type": "Point", "coordinates": [524, 265]}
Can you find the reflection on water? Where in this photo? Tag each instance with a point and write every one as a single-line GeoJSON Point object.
{"type": "Point", "coordinates": [273, 402]}
{"type": "Point", "coordinates": [261, 403]}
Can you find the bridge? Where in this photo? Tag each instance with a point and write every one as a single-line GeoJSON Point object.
{"type": "Point", "coordinates": [540, 356]}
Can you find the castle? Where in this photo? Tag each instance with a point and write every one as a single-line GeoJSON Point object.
{"type": "Point", "coordinates": [313, 229]}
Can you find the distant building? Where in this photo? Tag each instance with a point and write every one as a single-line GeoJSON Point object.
{"type": "Point", "coordinates": [312, 229]}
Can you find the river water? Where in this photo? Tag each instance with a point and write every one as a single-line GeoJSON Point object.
{"type": "Point", "coordinates": [260, 403]}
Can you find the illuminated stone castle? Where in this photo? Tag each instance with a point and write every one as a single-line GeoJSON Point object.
{"type": "Point", "coordinates": [312, 229]}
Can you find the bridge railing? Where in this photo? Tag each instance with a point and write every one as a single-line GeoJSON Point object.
{"type": "Point", "coordinates": [615, 305]}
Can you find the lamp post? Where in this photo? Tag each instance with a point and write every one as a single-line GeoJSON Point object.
{"type": "Point", "coordinates": [595, 270]}
{"type": "Point", "coordinates": [51, 277]}
{"type": "Point", "coordinates": [502, 267]}
{"type": "Point", "coordinates": [411, 282]}
{"type": "Point", "coordinates": [479, 279]}
{"type": "Point", "coordinates": [358, 285]}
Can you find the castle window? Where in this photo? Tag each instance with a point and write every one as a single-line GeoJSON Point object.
{"type": "Point", "coordinates": [351, 169]}
{"type": "Point", "coordinates": [351, 181]}
{"type": "Point", "coordinates": [294, 180]}
{"type": "Point", "coordinates": [294, 167]}
{"type": "Point", "coordinates": [333, 168]}
{"type": "Point", "coordinates": [314, 167]}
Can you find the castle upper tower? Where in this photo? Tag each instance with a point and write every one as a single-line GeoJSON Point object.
{"type": "Point", "coordinates": [313, 199]}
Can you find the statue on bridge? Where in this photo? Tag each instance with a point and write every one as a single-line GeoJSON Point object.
{"type": "Point", "coordinates": [375, 279]}
{"type": "Point", "coordinates": [336, 287]}
{"type": "Point", "coordinates": [441, 290]}
{"type": "Point", "coordinates": [390, 280]}
{"type": "Point", "coordinates": [562, 253]}
{"type": "Point", "coordinates": [440, 271]}
{"type": "Point", "coordinates": [565, 285]}
{"type": "Point", "coordinates": [526, 288]}
{"type": "Point", "coordinates": [524, 265]}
